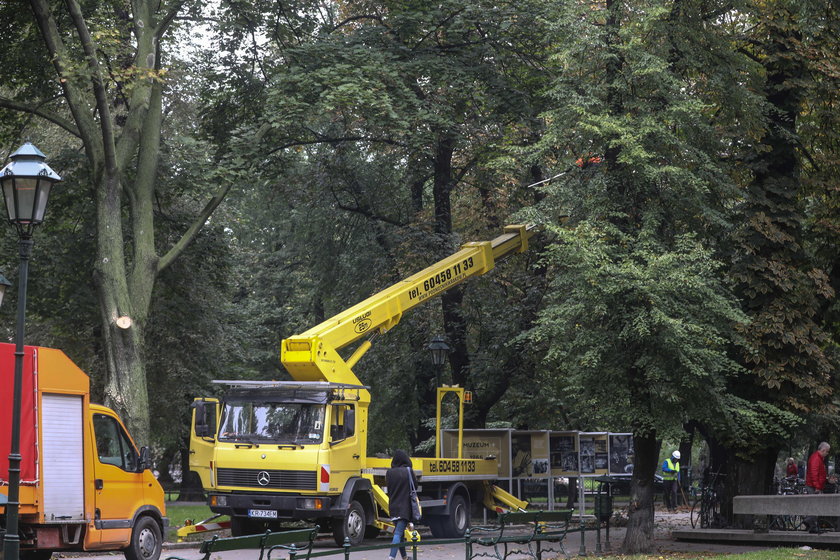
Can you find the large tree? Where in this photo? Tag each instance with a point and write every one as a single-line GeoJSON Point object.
{"type": "Point", "coordinates": [96, 70]}
{"type": "Point", "coordinates": [782, 286]}
{"type": "Point", "coordinates": [638, 317]}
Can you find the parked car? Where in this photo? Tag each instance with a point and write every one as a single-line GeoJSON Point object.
{"type": "Point", "coordinates": [622, 487]}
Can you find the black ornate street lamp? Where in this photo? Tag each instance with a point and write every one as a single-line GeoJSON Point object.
{"type": "Point", "coordinates": [439, 350]}
{"type": "Point", "coordinates": [26, 182]}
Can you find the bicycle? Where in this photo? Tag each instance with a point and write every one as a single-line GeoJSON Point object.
{"type": "Point", "coordinates": [705, 511]}
{"type": "Point", "coordinates": [788, 486]}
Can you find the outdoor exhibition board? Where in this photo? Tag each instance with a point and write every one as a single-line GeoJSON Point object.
{"type": "Point", "coordinates": [564, 453]}
{"type": "Point", "coordinates": [543, 453]}
{"type": "Point", "coordinates": [621, 453]}
{"type": "Point", "coordinates": [594, 453]}
{"type": "Point", "coordinates": [529, 454]}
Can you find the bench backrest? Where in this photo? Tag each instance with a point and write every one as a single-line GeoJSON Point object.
{"type": "Point", "coordinates": [262, 541]}
{"type": "Point", "coordinates": [797, 504]}
{"type": "Point", "coordinates": [521, 517]}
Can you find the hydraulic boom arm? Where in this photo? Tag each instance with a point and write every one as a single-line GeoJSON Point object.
{"type": "Point", "coordinates": [313, 355]}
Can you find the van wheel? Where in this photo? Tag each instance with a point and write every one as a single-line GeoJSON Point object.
{"type": "Point", "coordinates": [146, 541]}
{"type": "Point", "coordinates": [352, 526]}
{"type": "Point", "coordinates": [456, 523]}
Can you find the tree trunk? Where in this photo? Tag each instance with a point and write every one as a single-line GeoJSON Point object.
{"type": "Point", "coordinates": [125, 389]}
{"type": "Point", "coordinates": [164, 465]}
{"type": "Point", "coordinates": [122, 152]}
{"type": "Point", "coordinates": [747, 479]}
{"type": "Point", "coordinates": [639, 537]}
{"type": "Point", "coordinates": [451, 300]}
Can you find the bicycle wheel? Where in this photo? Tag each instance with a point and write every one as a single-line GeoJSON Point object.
{"type": "Point", "coordinates": [695, 513]}
{"type": "Point", "coordinates": [795, 522]}
{"type": "Point", "coordinates": [777, 523]}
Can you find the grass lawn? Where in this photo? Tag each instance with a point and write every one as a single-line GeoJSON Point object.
{"type": "Point", "coordinates": [774, 554]}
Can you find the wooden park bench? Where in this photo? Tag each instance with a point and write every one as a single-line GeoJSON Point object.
{"type": "Point", "coordinates": [296, 541]}
{"type": "Point", "coordinates": [507, 537]}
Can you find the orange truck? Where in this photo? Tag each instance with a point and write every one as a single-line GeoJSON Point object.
{"type": "Point", "coordinates": [84, 485]}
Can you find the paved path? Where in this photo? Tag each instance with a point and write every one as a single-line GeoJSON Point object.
{"type": "Point", "coordinates": [664, 522]}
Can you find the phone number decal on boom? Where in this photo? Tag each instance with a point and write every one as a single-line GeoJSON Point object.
{"type": "Point", "coordinates": [437, 282]}
{"type": "Point", "coordinates": [444, 466]}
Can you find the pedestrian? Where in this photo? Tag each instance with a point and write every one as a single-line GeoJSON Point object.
{"type": "Point", "coordinates": [791, 471]}
{"type": "Point", "coordinates": [399, 499]}
{"type": "Point", "coordinates": [671, 480]}
{"type": "Point", "coordinates": [816, 476]}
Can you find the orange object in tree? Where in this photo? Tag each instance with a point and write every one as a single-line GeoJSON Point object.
{"type": "Point", "coordinates": [587, 160]}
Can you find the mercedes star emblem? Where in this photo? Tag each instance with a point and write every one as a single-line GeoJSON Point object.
{"type": "Point", "coordinates": [263, 479]}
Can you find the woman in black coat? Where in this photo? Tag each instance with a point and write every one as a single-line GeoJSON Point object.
{"type": "Point", "coordinates": [399, 498]}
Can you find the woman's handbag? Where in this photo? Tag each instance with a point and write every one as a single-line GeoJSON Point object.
{"type": "Point", "coordinates": [416, 510]}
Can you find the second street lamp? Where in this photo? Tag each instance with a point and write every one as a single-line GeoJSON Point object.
{"type": "Point", "coordinates": [26, 183]}
{"type": "Point", "coordinates": [439, 350]}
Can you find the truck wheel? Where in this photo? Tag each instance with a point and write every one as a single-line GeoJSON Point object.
{"type": "Point", "coordinates": [352, 526]}
{"type": "Point", "coordinates": [146, 541]}
{"type": "Point", "coordinates": [456, 523]}
{"type": "Point", "coordinates": [435, 523]}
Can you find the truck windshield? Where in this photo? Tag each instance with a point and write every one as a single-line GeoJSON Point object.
{"type": "Point", "coordinates": [272, 422]}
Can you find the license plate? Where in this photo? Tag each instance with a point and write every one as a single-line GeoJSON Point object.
{"type": "Point", "coordinates": [270, 513]}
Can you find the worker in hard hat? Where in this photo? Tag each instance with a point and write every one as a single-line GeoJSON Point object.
{"type": "Point", "coordinates": [671, 479]}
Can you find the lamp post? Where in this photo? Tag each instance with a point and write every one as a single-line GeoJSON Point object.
{"type": "Point", "coordinates": [26, 182]}
{"type": "Point", "coordinates": [439, 350]}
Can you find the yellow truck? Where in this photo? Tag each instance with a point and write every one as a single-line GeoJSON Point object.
{"type": "Point", "coordinates": [272, 451]}
{"type": "Point", "coordinates": [84, 485]}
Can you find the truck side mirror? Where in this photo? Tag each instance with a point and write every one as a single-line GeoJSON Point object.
{"type": "Point", "coordinates": [145, 459]}
{"type": "Point", "coordinates": [202, 426]}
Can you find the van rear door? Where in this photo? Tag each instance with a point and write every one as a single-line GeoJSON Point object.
{"type": "Point", "coordinates": [63, 458]}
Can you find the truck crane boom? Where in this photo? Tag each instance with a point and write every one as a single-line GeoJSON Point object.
{"type": "Point", "coordinates": [313, 355]}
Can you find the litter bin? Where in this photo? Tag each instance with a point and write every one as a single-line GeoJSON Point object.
{"type": "Point", "coordinates": [603, 506]}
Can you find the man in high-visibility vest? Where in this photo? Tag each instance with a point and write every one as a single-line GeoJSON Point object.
{"type": "Point", "coordinates": [671, 479]}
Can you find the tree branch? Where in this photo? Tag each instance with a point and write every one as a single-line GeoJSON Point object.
{"type": "Point", "coordinates": [75, 99]}
{"type": "Point", "coordinates": [105, 123]}
{"type": "Point", "coordinates": [368, 213]}
{"type": "Point", "coordinates": [194, 229]}
{"type": "Point", "coordinates": [336, 140]}
{"type": "Point", "coordinates": [38, 111]}
{"type": "Point", "coordinates": [168, 18]}
{"type": "Point", "coordinates": [357, 18]}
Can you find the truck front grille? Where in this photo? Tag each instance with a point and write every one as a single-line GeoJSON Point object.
{"type": "Point", "coordinates": [269, 479]}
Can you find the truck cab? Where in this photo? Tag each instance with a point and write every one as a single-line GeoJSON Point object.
{"type": "Point", "coordinates": [271, 452]}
